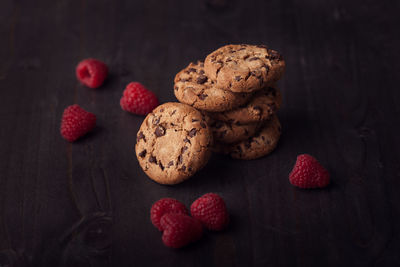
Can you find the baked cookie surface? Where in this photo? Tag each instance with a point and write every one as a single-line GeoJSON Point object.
{"type": "Point", "coordinates": [263, 143]}
{"type": "Point", "coordinates": [194, 88]}
{"type": "Point", "coordinates": [261, 107]}
{"type": "Point", "coordinates": [228, 133]}
{"type": "Point", "coordinates": [173, 143]}
{"type": "Point", "coordinates": [244, 68]}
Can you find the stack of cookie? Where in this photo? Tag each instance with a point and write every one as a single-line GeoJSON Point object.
{"type": "Point", "coordinates": [235, 88]}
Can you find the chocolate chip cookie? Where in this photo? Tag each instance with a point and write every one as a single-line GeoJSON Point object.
{"type": "Point", "coordinates": [173, 143]}
{"type": "Point", "coordinates": [261, 107]}
{"type": "Point", "coordinates": [194, 88]}
{"type": "Point", "coordinates": [244, 68]}
{"type": "Point", "coordinates": [263, 143]}
{"type": "Point", "coordinates": [228, 132]}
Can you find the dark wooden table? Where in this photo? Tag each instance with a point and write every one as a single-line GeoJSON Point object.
{"type": "Point", "coordinates": [87, 203]}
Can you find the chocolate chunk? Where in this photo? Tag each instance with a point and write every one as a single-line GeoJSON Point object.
{"type": "Point", "coordinates": [152, 159]}
{"type": "Point", "coordinates": [191, 70]}
{"type": "Point", "coordinates": [161, 166]}
{"type": "Point", "coordinates": [156, 120]}
{"type": "Point", "coordinates": [170, 164]}
{"type": "Point", "coordinates": [192, 132]}
{"type": "Point", "coordinates": [184, 149]}
{"type": "Point", "coordinates": [202, 96]}
{"type": "Point", "coordinates": [180, 159]}
{"type": "Point", "coordinates": [183, 168]}
{"type": "Point", "coordinates": [202, 124]}
{"type": "Point", "coordinates": [143, 153]}
{"type": "Point", "coordinates": [201, 72]}
{"type": "Point", "coordinates": [201, 79]}
{"type": "Point", "coordinates": [254, 58]}
{"type": "Point", "coordinates": [228, 60]}
{"type": "Point", "coordinates": [246, 57]}
{"type": "Point", "coordinates": [248, 144]}
{"type": "Point", "coordinates": [218, 124]}
{"type": "Point", "coordinates": [237, 78]}
{"type": "Point", "coordinates": [160, 131]}
{"type": "Point", "coordinates": [186, 140]}
{"type": "Point", "coordinates": [272, 54]}
{"type": "Point", "coordinates": [141, 136]}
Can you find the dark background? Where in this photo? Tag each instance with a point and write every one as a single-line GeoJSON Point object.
{"type": "Point", "coordinates": [87, 203]}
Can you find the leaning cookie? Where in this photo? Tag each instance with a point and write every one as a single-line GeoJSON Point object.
{"type": "Point", "coordinates": [244, 68]}
{"type": "Point", "coordinates": [194, 88]}
{"type": "Point", "coordinates": [173, 143]}
{"type": "Point", "coordinates": [257, 146]}
{"type": "Point", "coordinates": [261, 107]}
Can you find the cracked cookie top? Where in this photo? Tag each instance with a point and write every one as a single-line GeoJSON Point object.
{"type": "Point", "coordinates": [195, 88]}
{"type": "Point", "coordinates": [173, 143]}
{"type": "Point", "coordinates": [244, 68]}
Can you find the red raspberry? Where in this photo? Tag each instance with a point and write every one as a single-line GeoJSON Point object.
{"type": "Point", "coordinates": [180, 230]}
{"type": "Point", "coordinates": [211, 210]}
{"type": "Point", "coordinates": [308, 173]}
{"type": "Point", "coordinates": [138, 100]}
{"type": "Point", "coordinates": [76, 122]}
{"type": "Point", "coordinates": [91, 72]}
{"type": "Point", "coordinates": [165, 206]}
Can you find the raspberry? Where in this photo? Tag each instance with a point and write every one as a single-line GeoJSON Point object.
{"type": "Point", "coordinates": [91, 72]}
{"type": "Point", "coordinates": [165, 206]}
{"type": "Point", "coordinates": [180, 230]}
{"type": "Point", "coordinates": [308, 173]}
{"type": "Point", "coordinates": [76, 122]}
{"type": "Point", "coordinates": [211, 210]}
{"type": "Point", "coordinates": [138, 100]}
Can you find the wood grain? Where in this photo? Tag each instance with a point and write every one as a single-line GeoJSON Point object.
{"type": "Point", "coordinates": [87, 203]}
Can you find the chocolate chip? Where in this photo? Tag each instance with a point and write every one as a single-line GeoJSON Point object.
{"type": "Point", "coordinates": [143, 153]}
{"type": "Point", "coordinates": [247, 144]}
{"type": "Point", "coordinates": [201, 72]}
{"type": "Point", "coordinates": [202, 96]}
{"type": "Point", "coordinates": [173, 112]}
{"type": "Point", "coordinates": [254, 58]}
{"type": "Point", "coordinates": [141, 136]}
{"type": "Point", "coordinates": [202, 124]}
{"type": "Point", "coordinates": [180, 159]}
{"type": "Point", "coordinates": [201, 79]}
{"type": "Point", "coordinates": [161, 166]}
{"type": "Point", "coordinates": [186, 140]}
{"type": "Point", "coordinates": [170, 164]}
{"type": "Point", "coordinates": [194, 120]}
{"type": "Point", "coordinates": [218, 124]}
{"type": "Point", "coordinates": [191, 70]}
{"type": "Point", "coordinates": [160, 131]}
{"type": "Point", "coordinates": [184, 149]}
{"type": "Point", "coordinates": [162, 110]}
{"type": "Point", "coordinates": [228, 60]}
{"type": "Point", "coordinates": [272, 54]}
{"type": "Point", "coordinates": [183, 168]}
{"type": "Point", "coordinates": [237, 78]}
{"type": "Point", "coordinates": [246, 57]}
{"type": "Point", "coordinates": [192, 132]}
{"type": "Point", "coordinates": [152, 159]}
{"type": "Point", "coordinates": [156, 120]}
